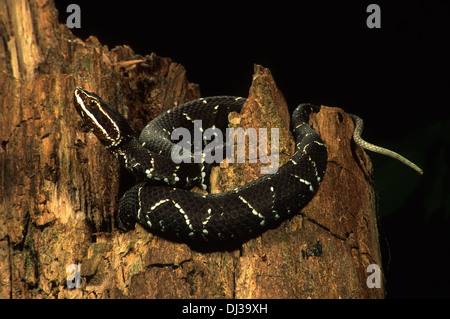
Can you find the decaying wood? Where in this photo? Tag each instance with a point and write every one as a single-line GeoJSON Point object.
{"type": "Point", "coordinates": [59, 187]}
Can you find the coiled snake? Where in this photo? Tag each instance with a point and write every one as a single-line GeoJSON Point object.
{"type": "Point", "coordinates": [161, 201]}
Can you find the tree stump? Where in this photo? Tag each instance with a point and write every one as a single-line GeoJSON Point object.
{"type": "Point", "coordinates": [59, 187]}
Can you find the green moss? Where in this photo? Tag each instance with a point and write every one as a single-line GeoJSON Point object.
{"type": "Point", "coordinates": [86, 61]}
{"type": "Point", "coordinates": [136, 267]}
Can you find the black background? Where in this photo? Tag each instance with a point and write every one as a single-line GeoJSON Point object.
{"type": "Point", "coordinates": [395, 77]}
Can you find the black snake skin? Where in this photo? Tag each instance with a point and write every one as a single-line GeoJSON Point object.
{"type": "Point", "coordinates": [162, 203]}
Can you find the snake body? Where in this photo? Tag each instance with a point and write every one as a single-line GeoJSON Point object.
{"type": "Point", "coordinates": [162, 203]}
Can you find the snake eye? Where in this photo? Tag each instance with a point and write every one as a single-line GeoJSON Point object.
{"type": "Point", "coordinates": [91, 103]}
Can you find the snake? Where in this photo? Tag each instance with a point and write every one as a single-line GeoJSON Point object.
{"type": "Point", "coordinates": [162, 201]}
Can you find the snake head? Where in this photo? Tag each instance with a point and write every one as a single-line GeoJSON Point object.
{"type": "Point", "coordinates": [106, 122]}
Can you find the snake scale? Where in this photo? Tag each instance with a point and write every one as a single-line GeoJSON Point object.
{"type": "Point", "coordinates": [162, 203]}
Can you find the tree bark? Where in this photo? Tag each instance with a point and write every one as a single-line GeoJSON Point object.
{"type": "Point", "coordinates": [60, 187]}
